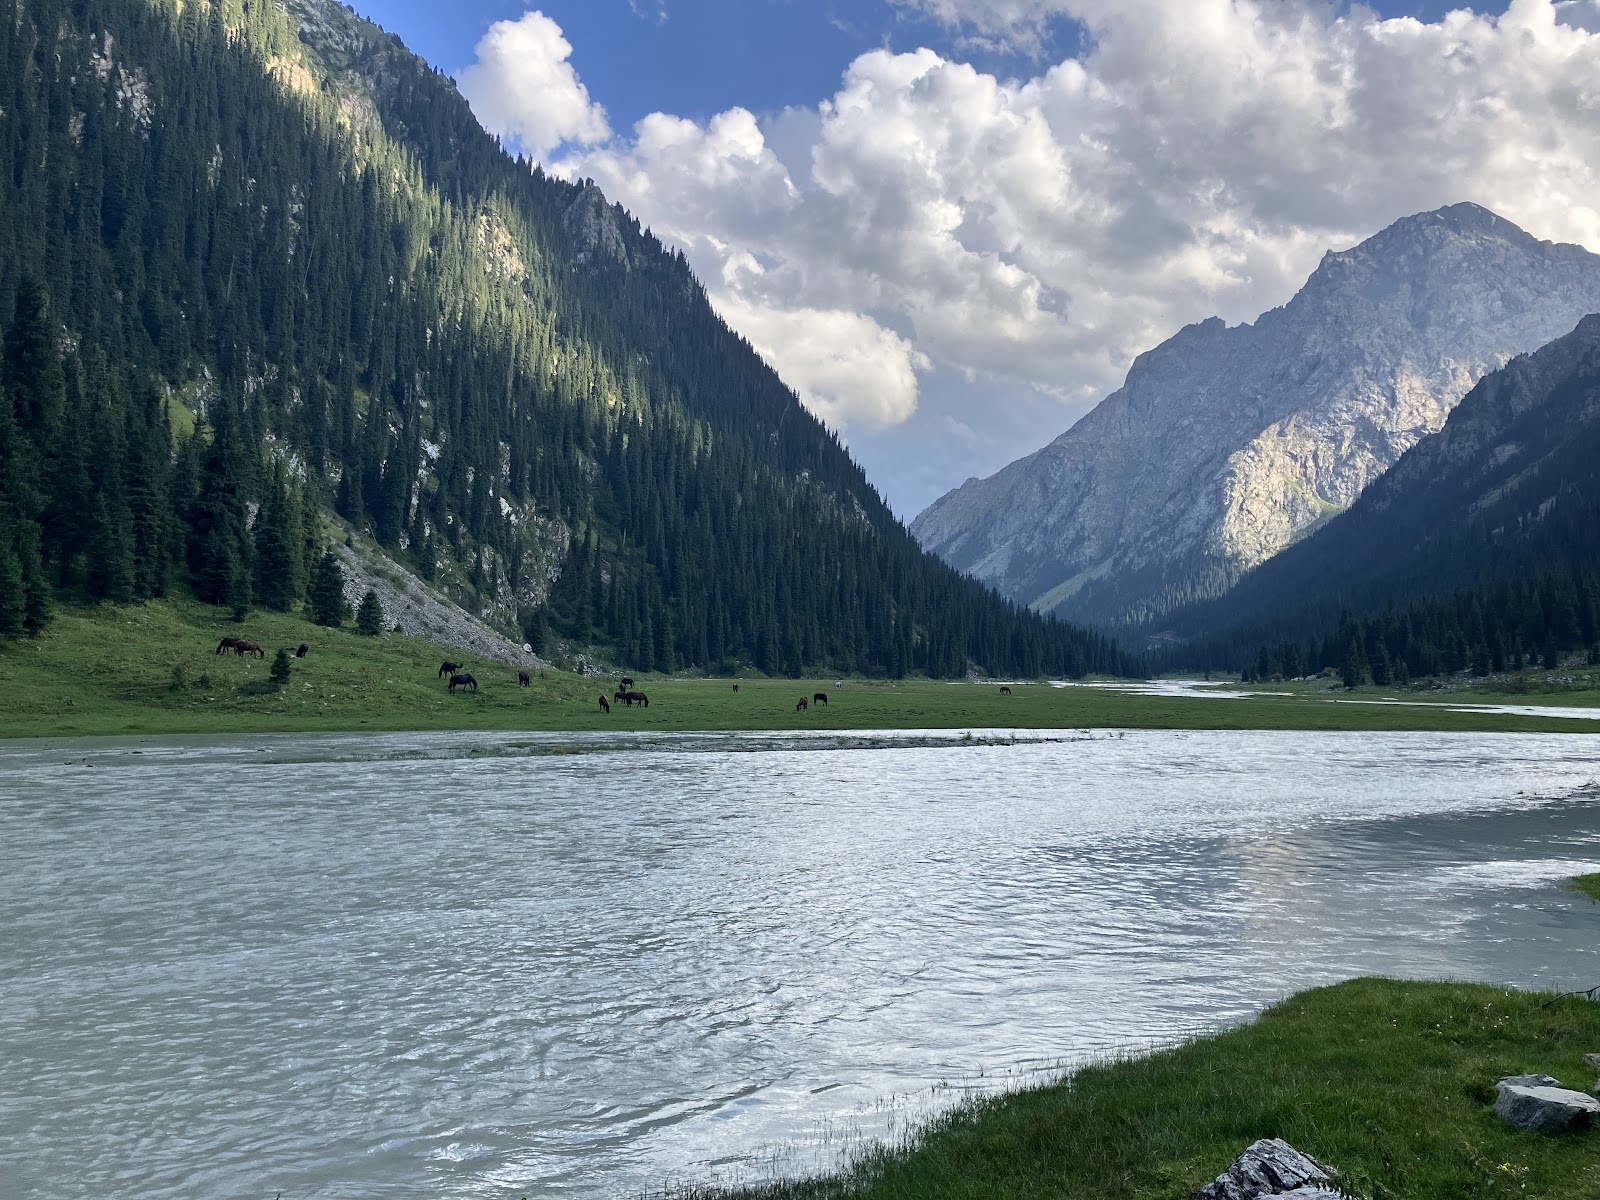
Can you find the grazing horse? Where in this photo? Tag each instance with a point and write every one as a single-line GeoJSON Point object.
{"type": "Point", "coordinates": [619, 694]}
{"type": "Point", "coordinates": [463, 681]}
{"type": "Point", "coordinates": [626, 683]}
{"type": "Point", "coordinates": [448, 668]}
{"type": "Point", "coordinates": [1005, 691]}
{"type": "Point", "coordinates": [801, 707]}
{"type": "Point", "coordinates": [736, 687]}
{"type": "Point", "coordinates": [820, 698]}
{"type": "Point", "coordinates": [242, 647]}
{"type": "Point", "coordinates": [522, 678]}
{"type": "Point", "coordinates": [303, 651]}
{"type": "Point", "coordinates": [632, 698]}
{"type": "Point", "coordinates": [227, 643]}
{"type": "Point", "coordinates": [605, 705]}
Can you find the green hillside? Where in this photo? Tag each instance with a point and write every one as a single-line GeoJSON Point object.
{"type": "Point", "coordinates": [255, 263]}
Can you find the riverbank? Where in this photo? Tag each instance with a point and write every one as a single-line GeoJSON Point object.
{"type": "Point", "coordinates": [151, 669]}
{"type": "Point", "coordinates": [1390, 1082]}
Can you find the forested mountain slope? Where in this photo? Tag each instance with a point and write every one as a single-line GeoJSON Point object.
{"type": "Point", "coordinates": [254, 261]}
{"type": "Point", "coordinates": [1226, 444]}
{"type": "Point", "coordinates": [1481, 545]}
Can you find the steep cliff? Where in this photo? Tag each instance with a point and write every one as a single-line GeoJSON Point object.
{"type": "Point", "coordinates": [1225, 445]}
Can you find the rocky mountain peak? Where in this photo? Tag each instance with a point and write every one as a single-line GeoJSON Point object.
{"type": "Point", "coordinates": [1224, 445]}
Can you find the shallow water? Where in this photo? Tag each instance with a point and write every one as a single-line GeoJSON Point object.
{"type": "Point", "coordinates": [495, 965]}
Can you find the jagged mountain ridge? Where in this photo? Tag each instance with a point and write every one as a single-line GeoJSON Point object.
{"type": "Point", "coordinates": [289, 232]}
{"type": "Point", "coordinates": [1509, 487]}
{"type": "Point", "coordinates": [1224, 445]}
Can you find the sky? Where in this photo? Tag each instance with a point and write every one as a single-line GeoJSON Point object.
{"type": "Point", "coordinates": [952, 224]}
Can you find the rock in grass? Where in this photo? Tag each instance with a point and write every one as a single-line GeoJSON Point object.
{"type": "Point", "coordinates": [1592, 1060]}
{"type": "Point", "coordinates": [1544, 1109]}
{"type": "Point", "coordinates": [1530, 1081]}
{"type": "Point", "coordinates": [1270, 1167]}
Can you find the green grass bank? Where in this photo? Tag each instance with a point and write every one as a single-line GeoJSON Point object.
{"type": "Point", "coordinates": [1390, 1082]}
{"type": "Point", "coordinates": [1586, 885]}
{"type": "Point", "coordinates": [151, 669]}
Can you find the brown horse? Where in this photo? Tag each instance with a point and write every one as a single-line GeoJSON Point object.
{"type": "Point", "coordinates": [626, 683]}
{"type": "Point", "coordinates": [605, 705]}
{"type": "Point", "coordinates": [736, 687]}
{"type": "Point", "coordinates": [303, 651]}
{"type": "Point", "coordinates": [632, 698]}
{"type": "Point", "coordinates": [801, 707]}
{"type": "Point", "coordinates": [1005, 691]}
{"type": "Point", "coordinates": [522, 678]}
{"type": "Point", "coordinates": [466, 681]}
{"type": "Point", "coordinates": [449, 668]}
{"type": "Point", "coordinates": [820, 698]}
{"type": "Point", "coordinates": [619, 695]}
{"type": "Point", "coordinates": [242, 647]}
{"type": "Point", "coordinates": [227, 643]}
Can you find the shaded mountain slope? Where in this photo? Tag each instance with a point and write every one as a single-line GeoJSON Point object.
{"type": "Point", "coordinates": [280, 230]}
{"type": "Point", "coordinates": [1507, 493]}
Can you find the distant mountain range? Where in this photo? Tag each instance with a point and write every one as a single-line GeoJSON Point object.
{"type": "Point", "coordinates": [1226, 445]}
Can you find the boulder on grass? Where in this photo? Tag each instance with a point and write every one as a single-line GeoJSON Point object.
{"type": "Point", "coordinates": [1270, 1167]}
{"type": "Point", "coordinates": [1543, 1109]}
{"type": "Point", "coordinates": [1530, 1081]}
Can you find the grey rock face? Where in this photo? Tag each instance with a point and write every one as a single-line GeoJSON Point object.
{"type": "Point", "coordinates": [1529, 1081]}
{"type": "Point", "coordinates": [1544, 1109]}
{"type": "Point", "coordinates": [1269, 1167]}
{"type": "Point", "coordinates": [1224, 445]}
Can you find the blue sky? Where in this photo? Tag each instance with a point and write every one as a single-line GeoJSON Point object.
{"type": "Point", "coordinates": [951, 225]}
{"type": "Point", "coordinates": [696, 58]}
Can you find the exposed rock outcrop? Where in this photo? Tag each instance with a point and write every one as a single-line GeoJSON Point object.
{"type": "Point", "coordinates": [1269, 1167]}
{"type": "Point", "coordinates": [1226, 444]}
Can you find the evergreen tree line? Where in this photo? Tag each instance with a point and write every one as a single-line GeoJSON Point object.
{"type": "Point", "coordinates": [1537, 606]}
{"type": "Point", "coordinates": [228, 302]}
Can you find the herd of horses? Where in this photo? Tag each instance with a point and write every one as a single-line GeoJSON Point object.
{"type": "Point", "coordinates": [243, 646]}
{"type": "Point", "coordinates": [466, 681]}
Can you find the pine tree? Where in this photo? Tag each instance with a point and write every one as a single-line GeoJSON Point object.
{"type": "Point", "coordinates": [281, 668]}
{"type": "Point", "coordinates": [369, 616]}
{"type": "Point", "coordinates": [327, 592]}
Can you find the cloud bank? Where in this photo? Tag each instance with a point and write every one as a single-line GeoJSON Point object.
{"type": "Point", "coordinates": [1033, 235]}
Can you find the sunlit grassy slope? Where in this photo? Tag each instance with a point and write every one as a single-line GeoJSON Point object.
{"type": "Point", "coordinates": [1391, 1083]}
{"type": "Point", "coordinates": [111, 670]}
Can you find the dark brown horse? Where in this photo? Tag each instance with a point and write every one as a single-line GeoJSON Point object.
{"type": "Point", "coordinates": [448, 668]}
{"type": "Point", "coordinates": [626, 683]}
{"type": "Point", "coordinates": [522, 678]}
{"type": "Point", "coordinates": [303, 651]}
{"type": "Point", "coordinates": [1005, 691]}
{"type": "Point", "coordinates": [632, 698]}
{"type": "Point", "coordinates": [736, 687]}
{"type": "Point", "coordinates": [801, 707]}
{"type": "Point", "coordinates": [242, 647]}
{"type": "Point", "coordinates": [605, 705]}
{"type": "Point", "coordinates": [466, 681]}
{"type": "Point", "coordinates": [227, 643]}
{"type": "Point", "coordinates": [820, 698]}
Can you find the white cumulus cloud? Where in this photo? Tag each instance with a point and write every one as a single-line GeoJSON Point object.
{"type": "Point", "coordinates": [1029, 236]}
{"type": "Point", "coordinates": [523, 87]}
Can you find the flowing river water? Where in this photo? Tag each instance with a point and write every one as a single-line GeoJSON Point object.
{"type": "Point", "coordinates": [448, 965]}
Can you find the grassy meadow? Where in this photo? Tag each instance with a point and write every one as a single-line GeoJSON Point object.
{"type": "Point", "coordinates": [1389, 1082]}
{"type": "Point", "coordinates": [151, 668]}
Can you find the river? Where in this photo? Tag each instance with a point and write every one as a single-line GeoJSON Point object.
{"type": "Point", "coordinates": [464, 965]}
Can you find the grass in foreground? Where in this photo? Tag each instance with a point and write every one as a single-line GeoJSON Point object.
{"type": "Point", "coordinates": [112, 671]}
{"type": "Point", "coordinates": [1390, 1082]}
